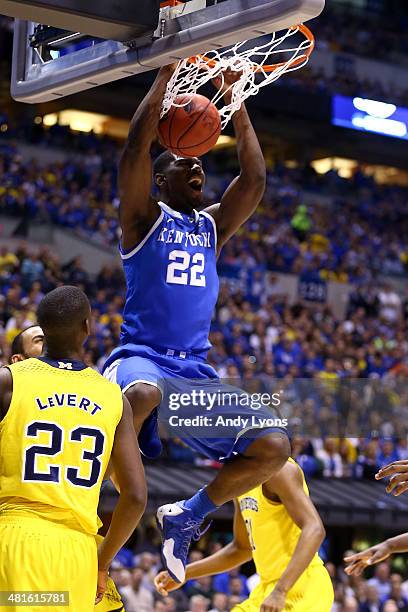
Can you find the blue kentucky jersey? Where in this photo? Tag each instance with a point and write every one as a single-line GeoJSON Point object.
{"type": "Point", "coordinates": [172, 283]}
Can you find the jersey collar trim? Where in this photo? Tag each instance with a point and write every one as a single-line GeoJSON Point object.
{"type": "Point", "coordinates": [176, 213]}
{"type": "Point", "coordinates": [63, 364]}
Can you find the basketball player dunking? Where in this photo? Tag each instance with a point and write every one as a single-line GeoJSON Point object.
{"type": "Point", "coordinates": [169, 253]}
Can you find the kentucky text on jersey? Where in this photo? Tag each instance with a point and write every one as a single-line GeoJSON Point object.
{"type": "Point", "coordinates": [185, 238]}
{"type": "Point", "coordinates": [68, 400]}
{"type": "Point", "coordinates": [172, 284]}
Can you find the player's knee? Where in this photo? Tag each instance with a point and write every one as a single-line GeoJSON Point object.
{"type": "Point", "coordinates": [143, 398]}
{"type": "Point", "coordinates": [272, 452]}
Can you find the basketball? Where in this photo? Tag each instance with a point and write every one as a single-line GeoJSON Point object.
{"type": "Point", "coordinates": [190, 130]}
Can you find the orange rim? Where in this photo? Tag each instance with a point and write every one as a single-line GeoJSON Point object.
{"type": "Point", "coordinates": [270, 67]}
{"type": "Point", "coordinates": [170, 3]}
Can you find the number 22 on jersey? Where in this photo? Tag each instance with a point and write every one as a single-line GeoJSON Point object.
{"type": "Point", "coordinates": [186, 269]}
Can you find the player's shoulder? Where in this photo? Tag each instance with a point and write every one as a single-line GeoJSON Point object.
{"type": "Point", "coordinates": [26, 365]}
{"type": "Point", "coordinates": [210, 212]}
{"type": "Point", "coordinates": [290, 474]}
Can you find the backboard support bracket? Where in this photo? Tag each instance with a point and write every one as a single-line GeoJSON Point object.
{"type": "Point", "coordinates": [214, 27]}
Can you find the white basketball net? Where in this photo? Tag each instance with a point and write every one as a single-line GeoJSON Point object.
{"type": "Point", "coordinates": [254, 66]}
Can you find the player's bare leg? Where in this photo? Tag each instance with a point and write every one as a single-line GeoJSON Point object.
{"type": "Point", "coordinates": [180, 522]}
{"type": "Point", "coordinates": [144, 399]}
{"type": "Point", "coordinates": [263, 458]}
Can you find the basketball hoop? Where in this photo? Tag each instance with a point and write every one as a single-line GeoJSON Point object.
{"type": "Point", "coordinates": [250, 62]}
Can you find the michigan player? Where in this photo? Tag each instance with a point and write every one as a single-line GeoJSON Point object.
{"type": "Point", "coordinates": [277, 525]}
{"type": "Point", "coordinates": [28, 344]}
{"type": "Point", "coordinates": [169, 253]}
{"type": "Point", "coordinates": [60, 423]}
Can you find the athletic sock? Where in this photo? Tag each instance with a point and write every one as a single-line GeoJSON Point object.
{"type": "Point", "coordinates": [200, 504]}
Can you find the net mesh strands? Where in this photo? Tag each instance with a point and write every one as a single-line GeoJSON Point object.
{"type": "Point", "coordinates": [251, 63]}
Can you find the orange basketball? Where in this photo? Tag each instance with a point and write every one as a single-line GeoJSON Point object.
{"type": "Point", "coordinates": [190, 130]}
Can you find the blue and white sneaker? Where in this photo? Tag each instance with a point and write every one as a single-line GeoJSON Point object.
{"type": "Point", "coordinates": [177, 528]}
{"type": "Point", "coordinates": [149, 440]}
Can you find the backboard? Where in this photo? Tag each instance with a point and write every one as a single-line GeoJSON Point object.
{"type": "Point", "coordinates": [45, 70]}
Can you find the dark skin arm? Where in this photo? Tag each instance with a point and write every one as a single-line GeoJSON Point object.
{"type": "Point", "coordinates": [235, 553]}
{"type": "Point", "coordinates": [287, 487]}
{"type": "Point", "coordinates": [138, 210]}
{"type": "Point", "coordinates": [245, 192]}
{"type": "Point", "coordinates": [397, 472]}
{"type": "Point", "coordinates": [6, 391]}
{"type": "Point", "coordinates": [357, 563]}
{"type": "Point", "coordinates": [129, 473]}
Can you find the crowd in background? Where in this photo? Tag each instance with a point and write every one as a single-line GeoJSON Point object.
{"type": "Point", "coordinates": [354, 230]}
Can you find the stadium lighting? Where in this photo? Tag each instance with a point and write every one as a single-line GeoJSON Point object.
{"type": "Point", "coordinates": [370, 116]}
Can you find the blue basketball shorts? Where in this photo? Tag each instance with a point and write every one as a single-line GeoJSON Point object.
{"type": "Point", "coordinates": [214, 418]}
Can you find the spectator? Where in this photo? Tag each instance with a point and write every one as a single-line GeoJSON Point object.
{"type": "Point", "coordinates": [387, 453]}
{"type": "Point", "coordinates": [330, 458]}
{"type": "Point", "coordinates": [198, 603]}
{"type": "Point", "coordinates": [371, 599]}
{"type": "Point", "coordinates": [389, 304]}
{"type": "Point", "coordinates": [231, 583]}
{"type": "Point", "coordinates": [381, 580]}
{"type": "Point", "coordinates": [136, 597]}
{"type": "Point", "coordinates": [396, 592]}
{"type": "Point", "coordinates": [219, 603]}
{"type": "Point", "coordinates": [367, 464]}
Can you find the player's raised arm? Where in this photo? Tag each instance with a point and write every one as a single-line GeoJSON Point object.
{"type": "Point", "coordinates": [130, 476]}
{"type": "Point", "coordinates": [137, 212]}
{"type": "Point", "coordinates": [235, 553]}
{"type": "Point", "coordinates": [288, 486]}
{"type": "Point", "coordinates": [245, 192]}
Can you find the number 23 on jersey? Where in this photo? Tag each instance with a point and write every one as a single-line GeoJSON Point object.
{"type": "Point", "coordinates": [48, 458]}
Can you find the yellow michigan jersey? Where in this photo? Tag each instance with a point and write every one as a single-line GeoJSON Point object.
{"type": "Point", "coordinates": [273, 536]}
{"type": "Point", "coordinates": [55, 443]}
